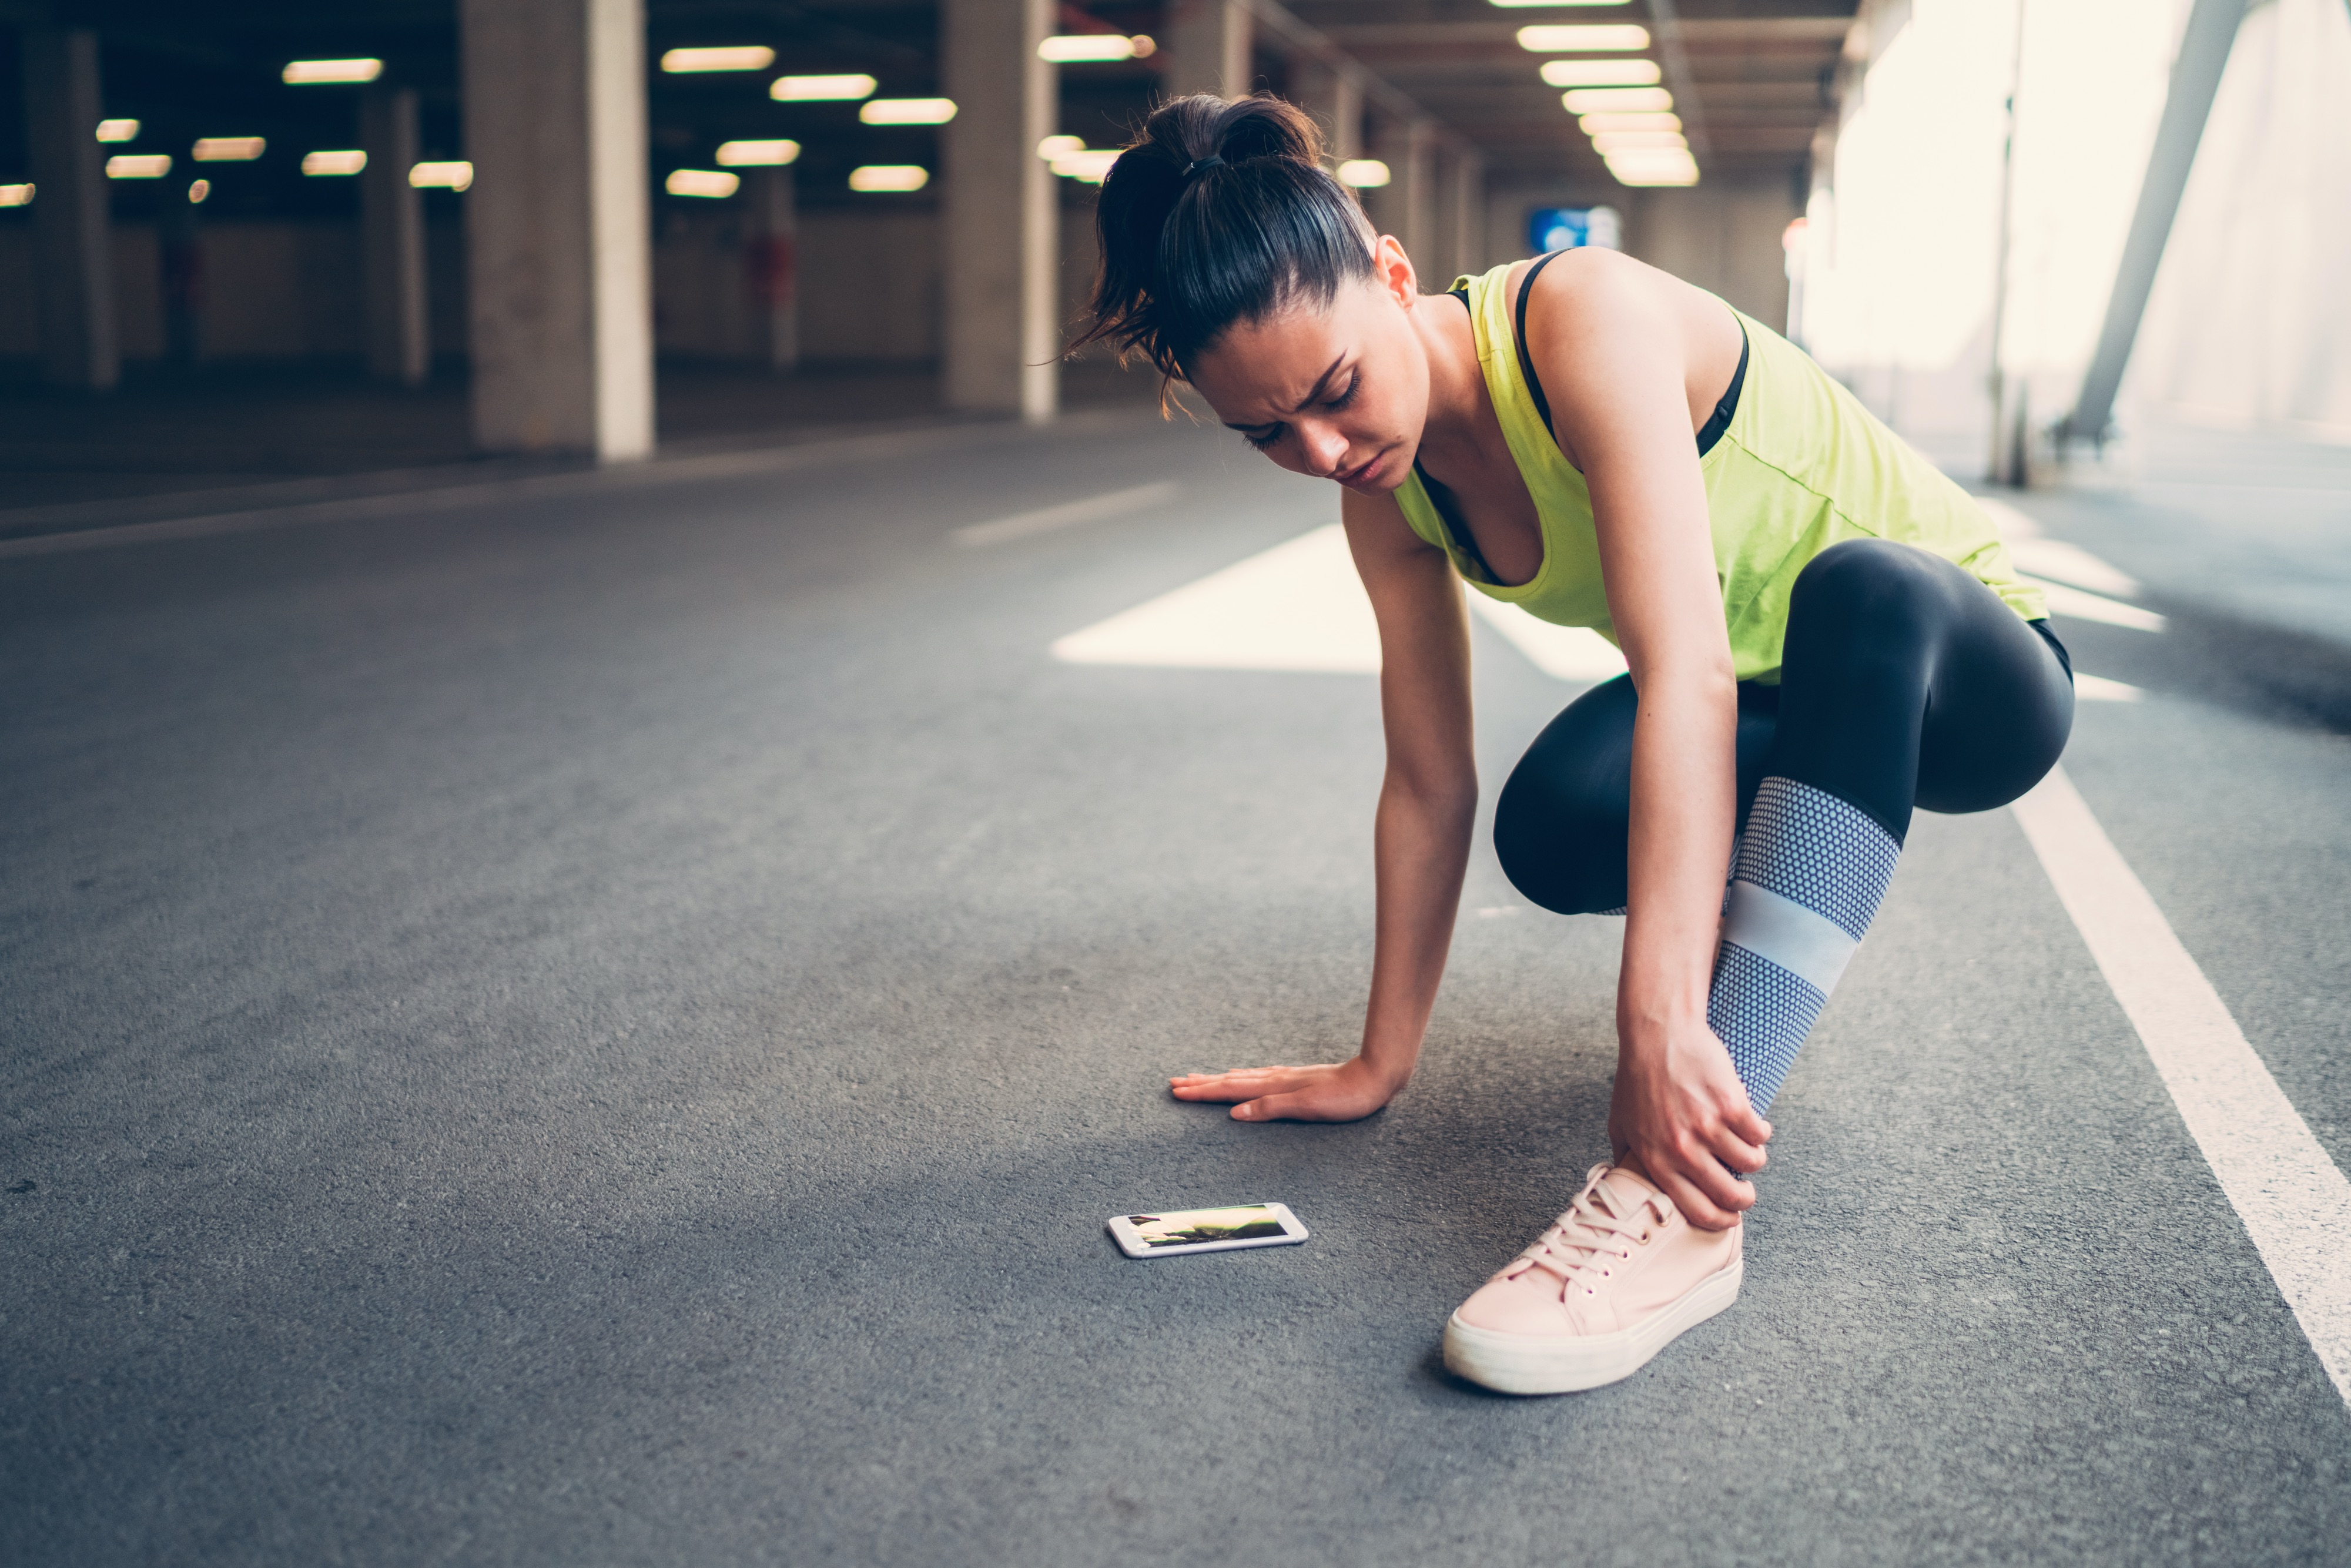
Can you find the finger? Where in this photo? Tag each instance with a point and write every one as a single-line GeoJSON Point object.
{"type": "Point", "coordinates": [1245, 1083]}
{"type": "Point", "coordinates": [1743, 1120]}
{"type": "Point", "coordinates": [1724, 1192]}
{"type": "Point", "coordinates": [1743, 1156]}
{"type": "Point", "coordinates": [1267, 1108]}
{"type": "Point", "coordinates": [1695, 1207]}
{"type": "Point", "coordinates": [1223, 1086]}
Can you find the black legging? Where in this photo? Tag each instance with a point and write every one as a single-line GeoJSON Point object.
{"type": "Point", "coordinates": [1904, 681]}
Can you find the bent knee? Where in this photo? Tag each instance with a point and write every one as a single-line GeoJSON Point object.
{"type": "Point", "coordinates": [1564, 850]}
{"type": "Point", "coordinates": [1870, 579]}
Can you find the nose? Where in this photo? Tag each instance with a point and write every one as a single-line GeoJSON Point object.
{"type": "Point", "coordinates": [1324, 449]}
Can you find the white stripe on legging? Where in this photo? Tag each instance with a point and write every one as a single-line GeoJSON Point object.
{"type": "Point", "coordinates": [1809, 945]}
{"type": "Point", "coordinates": [2295, 1205]}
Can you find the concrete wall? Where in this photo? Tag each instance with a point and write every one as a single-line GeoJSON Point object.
{"type": "Point", "coordinates": [870, 287]}
{"type": "Point", "coordinates": [138, 286]}
{"type": "Point", "coordinates": [271, 290]}
{"type": "Point", "coordinates": [870, 284]}
{"type": "Point", "coordinates": [1723, 236]}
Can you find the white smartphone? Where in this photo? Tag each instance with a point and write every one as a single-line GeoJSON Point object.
{"type": "Point", "coordinates": [1175, 1230]}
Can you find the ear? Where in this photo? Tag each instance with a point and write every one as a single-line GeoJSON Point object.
{"type": "Point", "coordinates": [1392, 271]}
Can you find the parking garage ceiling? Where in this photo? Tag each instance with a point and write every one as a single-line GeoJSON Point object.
{"type": "Point", "coordinates": [1752, 79]}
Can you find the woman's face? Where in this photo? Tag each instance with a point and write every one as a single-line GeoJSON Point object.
{"type": "Point", "coordinates": [1337, 393]}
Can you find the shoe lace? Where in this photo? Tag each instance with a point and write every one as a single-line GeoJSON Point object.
{"type": "Point", "coordinates": [1583, 1245]}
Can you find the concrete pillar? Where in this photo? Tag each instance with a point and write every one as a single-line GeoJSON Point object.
{"type": "Point", "coordinates": [1333, 97]}
{"type": "Point", "coordinates": [1406, 206]}
{"type": "Point", "coordinates": [558, 249]}
{"type": "Point", "coordinates": [1460, 215]}
{"type": "Point", "coordinates": [391, 240]}
{"type": "Point", "coordinates": [72, 237]}
{"type": "Point", "coordinates": [772, 263]}
{"type": "Point", "coordinates": [1207, 44]}
{"type": "Point", "coordinates": [1002, 232]}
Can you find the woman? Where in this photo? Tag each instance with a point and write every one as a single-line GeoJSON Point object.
{"type": "Point", "coordinates": [1821, 632]}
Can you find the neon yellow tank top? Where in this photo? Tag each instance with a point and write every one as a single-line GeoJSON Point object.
{"type": "Point", "coordinates": [1803, 467]}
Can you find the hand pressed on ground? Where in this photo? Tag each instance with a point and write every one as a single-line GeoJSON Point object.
{"type": "Point", "coordinates": [1328, 1091]}
{"type": "Point", "coordinates": [1680, 1116]}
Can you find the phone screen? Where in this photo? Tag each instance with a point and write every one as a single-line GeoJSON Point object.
{"type": "Point", "coordinates": [1190, 1227]}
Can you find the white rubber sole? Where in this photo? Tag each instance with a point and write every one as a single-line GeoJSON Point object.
{"type": "Point", "coordinates": [1542, 1364]}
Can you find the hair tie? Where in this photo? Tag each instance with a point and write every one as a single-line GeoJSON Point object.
{"type": "Point", "coordinates": [1199, 165]}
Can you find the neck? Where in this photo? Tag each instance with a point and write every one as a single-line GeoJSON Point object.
{"type": "Point", "coordinates": [1458, 399]}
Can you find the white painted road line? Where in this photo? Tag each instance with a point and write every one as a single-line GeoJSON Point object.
{"type": "Point", "coordinates": [2295, 1205]}
{"type": "Point", "coordinates": [1068, 515]}
{"type": "Point", "coordinates": [1298, 606]}
{"type": "Point", "coordinates": [1564, 653]}
{"type": "Point", "coordinates": [2061, 562]}
{"type": "Point", "coordinates": [2099, 689]}
{"type": "Point", "coordinates": [2085, 606]}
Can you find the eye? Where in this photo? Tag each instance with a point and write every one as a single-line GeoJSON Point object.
{"type": "Point", "coordinates": [1264, 442]}
{"type": "Point", "coordinates": [1344, 398]}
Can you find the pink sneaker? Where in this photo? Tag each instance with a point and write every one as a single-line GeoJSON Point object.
{"type": "Point", "coordinates": [1613, 1281]}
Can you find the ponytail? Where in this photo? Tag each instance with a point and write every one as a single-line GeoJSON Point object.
{"type": "Point", "coordinates": [1221, 211]}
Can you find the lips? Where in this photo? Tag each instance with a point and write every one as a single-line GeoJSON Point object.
{"type": "Point", "coordinates": [1352, 477]}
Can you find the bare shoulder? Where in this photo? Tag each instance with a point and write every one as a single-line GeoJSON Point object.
{"type": "Point", "coordinates": [1614, 338]}
{"type": "Point", "coordinates": [1590, 292]}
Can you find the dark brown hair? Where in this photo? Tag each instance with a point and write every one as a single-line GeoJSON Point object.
{"type": "Point", "coordinates": [1219, 212]}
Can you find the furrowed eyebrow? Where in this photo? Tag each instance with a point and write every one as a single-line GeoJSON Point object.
{"type": "Point", "coordinates": [1313, 396]}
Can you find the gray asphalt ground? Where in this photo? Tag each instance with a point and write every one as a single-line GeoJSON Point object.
{"type": "Point", "coordinates": [603, 1028]}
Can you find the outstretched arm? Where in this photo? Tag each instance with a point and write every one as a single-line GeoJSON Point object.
{"type": "Point", "coordinates": [1428, 801]}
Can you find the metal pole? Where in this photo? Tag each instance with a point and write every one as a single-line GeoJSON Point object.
{"type": "Point", "coordinates": [1994, 469]}
{"type": "Point", "coordinates": [2195, 79]}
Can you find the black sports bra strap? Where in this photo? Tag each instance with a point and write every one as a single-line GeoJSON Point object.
{"type": "Point", "coordinates": [1707, 436]}
{"type": "Point", "coordinates": [1526, 360]}
{"type": "Point", "coordinates": [1724, 411]}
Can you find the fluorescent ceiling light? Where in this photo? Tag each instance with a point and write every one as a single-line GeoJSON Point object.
{"type": "Point", "coordinates": [229, 149]}
{"type": "Point", "coordinates": [1074, 48]}
{"type": "Point", "coordinates": [345, 162]}
{"type": "Point", "coordinates": [1600, 73]}
{"type": "Point", "coordinates": [138, 165]}
{"type": "Point", "coordinates": [1660, 155]}
{"type": "Point", "coordinates": [455, 175]}
{"type": "Point", "coordinates": [1594, 124]}
{"type": "Point", "coordinates": [15, 195]}
{"type": "Point", "coordinates": [1620, 99]}
{"type": "Point", "coordinates": [734, 58]}
{"type": "Point", "coordinates": [821, 89]}
{"type": "Point", "coordinates": [907, 111]}
{"type": "Point", "coordinates": [299, 72]}
{"type": "Point", "coordinates": [1088, 165]}
{"type": "Point", "coordinates": [198, 190]}
{"type": "Point", "coordinates": [118, 131]}
{"type": "Point", "coordinates": [711, 182]}
{"type": "Point", "coordinates": [1610, 143]}
{"type": "Point", "coordinates": [888, 177]}
{"type": "Point", "coordinates": [1684, 176]}
{"type": "Point", "coordinates": [1054, 146]}
{"type": "Point", "coordinates": [756, 154]}
{"type": "Point", "coordinates": [1364, 172]}
{"type": "Point", "coordinates": [1661, 168]}
{"type": "Point", "coordinates": [1566, 40]}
